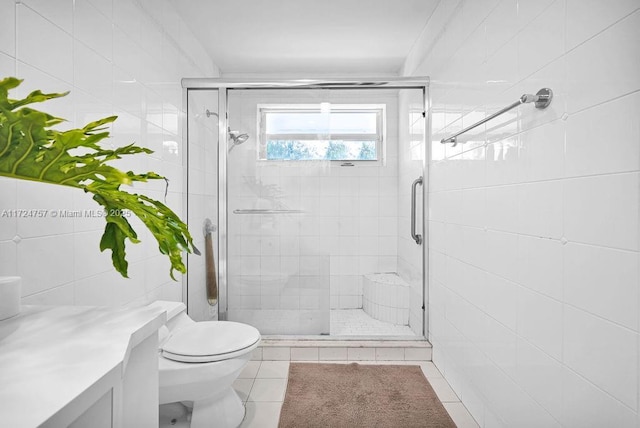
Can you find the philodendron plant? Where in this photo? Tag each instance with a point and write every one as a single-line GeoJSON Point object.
{"type": "Point", "coordinates": [31, 149]}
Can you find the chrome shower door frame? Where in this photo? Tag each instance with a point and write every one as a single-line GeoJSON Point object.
{"type": "Point", "coordinates": [223, 85]}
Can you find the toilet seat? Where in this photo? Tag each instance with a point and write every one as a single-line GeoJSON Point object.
{"type": "Point", "coordinates": [210, 341]}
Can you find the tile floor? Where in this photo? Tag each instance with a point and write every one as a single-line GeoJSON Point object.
{"type": "Point", "coordinates": [356, 322]}
{"type": "Point", "coordinates": [262, 386]}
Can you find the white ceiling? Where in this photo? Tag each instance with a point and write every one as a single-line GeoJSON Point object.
{"type": "Point", "coordinates": [310, 37]}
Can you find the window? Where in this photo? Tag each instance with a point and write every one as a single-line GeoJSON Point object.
{"type": "Point", "coordinates": [336, 132]}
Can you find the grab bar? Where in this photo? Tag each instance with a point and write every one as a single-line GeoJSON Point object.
{"type": "Point", "coordinates": [268, 211]}
{"type": "Point", "coordinates": [541, 99]}
{"type": "Point", "coordinates": [416, 237]}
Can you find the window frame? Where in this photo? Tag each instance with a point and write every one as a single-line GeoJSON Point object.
{"type": "Point", "coordinates": [380, 135]}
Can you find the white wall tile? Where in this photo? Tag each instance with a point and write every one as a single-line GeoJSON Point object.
{"type": "Point", "coordinates": [7, 65]}
{"type": "Point", "coordinates": [61, 295]}
{"type": "Point", "coordinates": [93, 28]}
{"type": "Point", "coordinates": [502, 161]}
{"type": "Point", "coordinates": [304, 354]}
{"type": "Point", "coordinates": [542, 152]}
{"type": "Point", "coordinates": [590, 131]}
{"type": "Point", "coordinates": [8, 27]}
{"type": "Point", "coordinates": [541, 376]}
{"type": "Point", "coordinates": [8, 221]}
{"type": "Point", "coordinates": [67, 46]}
{"type": "Point", "coordinates": [587, 20]}
{"type": "Point", "coordinates": [602, 281]}
{"type": "Point", "coordinates": [60, 13]}
{"type": "Point", "coordinates": [610, 361]}
{"type": "Point", "coordinates": [540, 321]}
{"type": "Point", "coordinates": [8, 255]}
{"type": "Point", "coordinates": [417, 354]}
{"type": "Point", "coordinates": [33, 32]}
{"type": "Point", "coordinates": [106, 7]}
{"type": "Point", "coordinates": [584, 404]}
{"type": "Point", "coordinates": [53, 202]}
{"type": "Point", "coordinates": [501, 300]}
{"type": "Point", "coordinates": [45, 263]}
{"type": "Point", "coordinates": [500, 346]}
{"type": "Point", "coordinates": [276, 353]}
{"type": "Point", "coordinates": [361, 354]}
{"type": "Point", "coordinates": [549, 44]}
{"type": "Point", "coordinates": [473, 204]}
{"type": "Point", "coordinates": [94, 291]}
{"type": "Point", "coordinates": [92, 73]}
{"type": "Point", "coordinates": [87, 257]}
{"type": "Point", "coordinates": [615, 74]}
{"type": "Point", "coordinates": [552, 184]}
{"type": "Point", "coordinates": [540, 265]}
{"type": "Point", "coordinates": [502, 208]}
{"type": "Point", "coordinates": [540, 209]}
{"type": "Point", "coordinates": [332, 354]}
{"type": "Point", "coordinates": [603, 210]}
{"type": "Point", "coordinates": [389, 354]}
{"type": "Point", "coordinates": [502, 254]}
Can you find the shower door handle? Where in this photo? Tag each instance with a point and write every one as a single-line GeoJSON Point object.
{"type": "Point", "coordinates": [416, 237]}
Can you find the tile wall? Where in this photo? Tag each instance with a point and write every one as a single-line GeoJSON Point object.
{"type": "Point", "coordinates": [123, 57]}
{"type": "Point", "coordinates": [533, 222]}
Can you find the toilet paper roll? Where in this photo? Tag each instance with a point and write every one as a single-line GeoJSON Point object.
{"type": "Point", "coordinates": [9, 296]}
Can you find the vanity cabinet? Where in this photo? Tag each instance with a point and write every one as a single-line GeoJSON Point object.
{"type": "Point", "coordinates": [78, 366]}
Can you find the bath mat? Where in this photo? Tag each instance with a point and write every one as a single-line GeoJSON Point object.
{"type": "Point", "coordinates": [355, 395]}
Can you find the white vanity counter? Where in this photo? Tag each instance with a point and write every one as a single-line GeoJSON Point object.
{"type": "Point", "coordinates": [67, 366]}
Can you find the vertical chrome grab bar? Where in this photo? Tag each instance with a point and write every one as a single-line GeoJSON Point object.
{"type": "Point", "coordinates": [416, 237]}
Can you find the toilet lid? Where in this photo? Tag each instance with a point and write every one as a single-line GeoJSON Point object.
{"type": "Point", "coordinates": [209, 341]}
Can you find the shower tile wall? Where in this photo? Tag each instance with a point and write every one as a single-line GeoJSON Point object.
{"type": "Point", "coordinates": [534, 282]}
{"type": "Point", "coordinates": [122, 57]}
{"type": "Point", "coordinates": [350, 218]}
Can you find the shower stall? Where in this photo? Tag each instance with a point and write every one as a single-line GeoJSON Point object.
{"type": "Point", "coordinates": [316, 191]}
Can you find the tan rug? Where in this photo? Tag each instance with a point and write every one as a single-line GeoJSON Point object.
{"type": "Point", "coordinates": [354, 395]}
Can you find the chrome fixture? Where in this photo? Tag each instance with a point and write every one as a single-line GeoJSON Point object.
{"type": "Point", "coordinates": [236, 138]}
{"type": "Point", "coordinates": [542, 100]}
{"type": "Point", "coordinates": [267, 211]}
{"type": "Point", "coordinates": [331, 82]}
{"type": "Point", "coordinates": [210, 113]}
{"type": "Point", "coordinates": [416, 237]}
{"type": "Point", "coordinates": [209, 227]}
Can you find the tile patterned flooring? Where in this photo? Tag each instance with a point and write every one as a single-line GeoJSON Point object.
{"type": "Point", "coordinates": [356, 322]}
{"type": "Point", "coordinates": [262, 385]}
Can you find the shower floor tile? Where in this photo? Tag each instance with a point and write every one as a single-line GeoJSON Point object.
{"type": "Point", "coordinates": [356, 322]}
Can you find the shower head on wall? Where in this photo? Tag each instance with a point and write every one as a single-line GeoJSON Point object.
{"type": "Point", "coordinates": [211, 113]}
{"type": "Point", "coordinates": [236, 138]}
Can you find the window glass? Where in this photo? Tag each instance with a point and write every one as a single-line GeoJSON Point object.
{"type": "Point", "coordinates": [321, 132]}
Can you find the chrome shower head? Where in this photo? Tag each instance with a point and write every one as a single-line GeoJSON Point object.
{"type": "Point", "coordinates": [236, 138]}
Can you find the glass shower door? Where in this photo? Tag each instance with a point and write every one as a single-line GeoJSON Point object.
{"type": "Point", "coordinates": [202, 191]}
{"type": "Point", "coordinates": [278, 274]}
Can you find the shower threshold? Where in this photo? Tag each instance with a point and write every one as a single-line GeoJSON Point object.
{"type": "Point", "coordinates": [412, 350]}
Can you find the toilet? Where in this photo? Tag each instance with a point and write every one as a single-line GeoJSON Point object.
{"type": "Point", "coordinates": [198, 363]}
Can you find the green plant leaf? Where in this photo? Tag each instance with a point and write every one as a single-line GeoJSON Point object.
{"type": "Point", "coordinates": [30, 149]}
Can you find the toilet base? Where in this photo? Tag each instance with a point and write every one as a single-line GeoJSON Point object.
{"type": "Point", "coordinates": [225, 411]}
